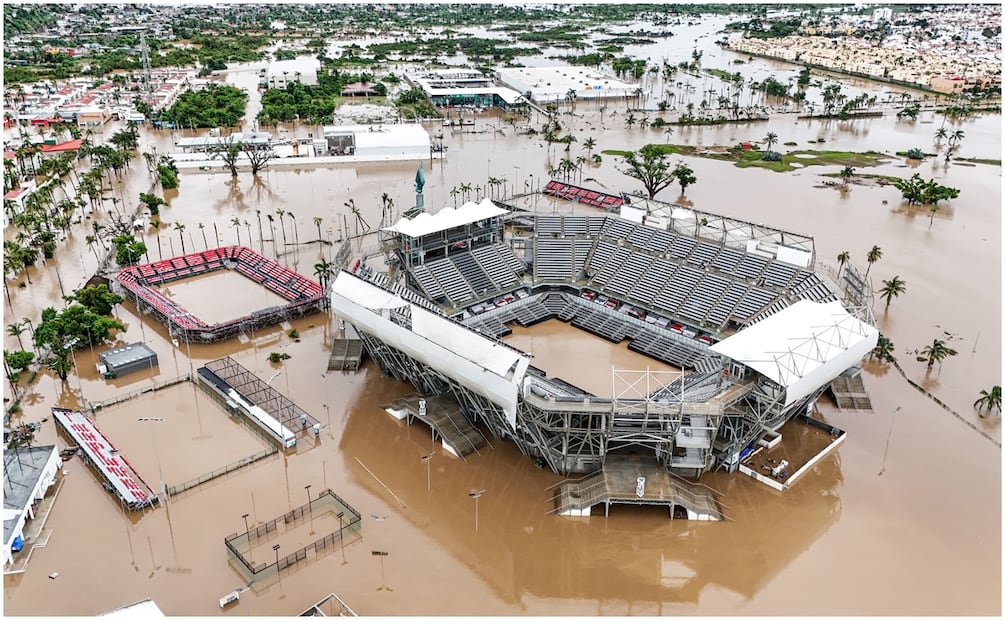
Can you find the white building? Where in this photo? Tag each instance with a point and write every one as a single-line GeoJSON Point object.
{"type": "Point", "coordinates": [27, 475]}
{"type": "Point", "coordinates": [554, 83]}
{"type": "Point", "coordinates": [283, 72]}
{"type": "Point", "coordinates": [378, 142]}
{"type": "Point", "coordinates": [454, 87]}
{"type": "Point", "coordinates": [884, 14]}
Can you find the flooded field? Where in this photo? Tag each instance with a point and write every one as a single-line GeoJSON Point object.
{"type": "Point", "coordinates": [922, 539]}
{"type": "Point", "coordinates": [555, 345]}
{"type": "Point", "coordinates": [220, 296]}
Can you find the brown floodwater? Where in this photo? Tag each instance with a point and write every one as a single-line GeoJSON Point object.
{"type": "Point", "coordinates": [923, 538]}
{"type": "Point", "coordinates": [220, 296]}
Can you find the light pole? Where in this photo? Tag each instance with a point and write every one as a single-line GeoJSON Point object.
{"type": "Point", "coordinates": [475, 495]}
{"type": "Point", "coordinates": [328, 411]}
{"type": "Point", "coordinates": [341, 536]}
{"type": "Point", "coordinates": [888, 436]}
{"type": "Point", "coordinates": [309, 507]}
{"type": "Point", "coordinates": [381, 555]}
{"type": "Point", "coordinates": [247, 533]}
{"type": "Point", "coordinates": [157, 454]}
{"type": "Point", "coordinates": [276, 549]}
{"type": "Point", "coordinates": [427, 458]}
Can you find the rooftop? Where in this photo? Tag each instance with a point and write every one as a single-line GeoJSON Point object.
{"type": "Point", "coordinates": [21, 470]}
{"type": "Point", "coordinates": [426, 223]}
{"type": "Point", "coordinates": [129, 353]}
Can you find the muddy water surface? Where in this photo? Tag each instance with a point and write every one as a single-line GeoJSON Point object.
{"type": "Point", "coordinates": [890, 539]}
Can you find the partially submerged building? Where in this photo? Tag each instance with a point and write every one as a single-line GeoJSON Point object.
{"type": "Point", "coordinates": [127, 359]}
{"type": "Point", "coordinates": [281, 73]}
{"type": "Point", "coordinates": [398, 142]}
{"type": "Point", "coordinates": [465, 87]}
{"type": "Point", "coordinates": [757, 333]}
{"type": "Point", "coordinates": [555, 83]}
{"type": "Point", "coordinates": [28, 473]}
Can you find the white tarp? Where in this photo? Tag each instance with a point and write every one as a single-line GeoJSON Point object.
{"type": "Point", "coordinates": [365, 294]}
{"type": "Point", "coordinates": [464, 342]}
{"type": "Point", "coordinates": [426, 223]}
{"type": "Point", "coordinates": [802, 347]}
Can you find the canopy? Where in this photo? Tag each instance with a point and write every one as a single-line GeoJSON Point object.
{"type": "Point", "coordinates": [444, 219]}
{"type": "Point", "coordinates": [803, 346]}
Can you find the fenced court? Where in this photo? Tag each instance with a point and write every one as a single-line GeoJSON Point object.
{"type": "Point", "coordinates": [300, 534]}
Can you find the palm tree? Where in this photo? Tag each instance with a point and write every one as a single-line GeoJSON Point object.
{"type": "Point", "coordinates": [202, 229]}
{"type": "Point", "coordinates": [272, 231]}
{"type": "Point", "coordinates": [847, 173]}
{"type": "Point", "coordinates": [770, 140]}
{"type": "Point", "coordinates": [893, 287]}
{"type": "Point", "coordinates": [16, 329]}
{"type": "Point", "coordinates": [842, 258]}
{"type": "Point", "coordinates": [181, 229]}
{"type": "Point", "coordinates": [940, 135]}
{"type": "Point", "coordinates": [282, 225]}
{"type": "Point", "coordinates": [935, 352]}
{"type": "Point", "coordinates": [323, 271]}
{"type": "Point", "coordinates": [668, 131]}
{"type": "Point", "coordinates": [236, 223]}
{"type": "Point", "coordinates": [453, 192]}
{"type": "Point", "coordinates": [956, 136]}
{"type": "Point", "coordinates": [589, 143]}
{"type": "Point", "coordinates": [317, 224]}
{"type": "Point", "coordinates": [992, 400]}
{"type": "Point", "coordinates": [874, 255]}
{"type": "Point", "coordinates": [296, 232]}
{"type": "Point", "coordinates": [883, 351]}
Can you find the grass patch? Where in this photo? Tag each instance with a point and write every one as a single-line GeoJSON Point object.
{"type": "Point", "coordinates": [819, 158]}
{"type": "Point", "coordinates": [979, 160]}
{"type": "Point", "coordinates": [746, 159]}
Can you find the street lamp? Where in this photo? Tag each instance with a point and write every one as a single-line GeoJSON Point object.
{"type": "Point", "coordinates": [888, 436]}
{"type": "Point", "coordinates": [427, 458]}
{"type": "Point", "coordinates": [247, 533]}
{"type": "Point", "coordinates": [157, 454]}
{"type": "Point", "coordinates": [328, 411]}
{"type": "Point", "coordinates": [341, 536]}
{"type": "Point", "coordinates": [475, 495]}
{"type": "Point", "coordinates": [276, 549]}
{"type": "Point", "coordinates": [381, 555]}
{"type": "Point", "coordinates": [308, 489]}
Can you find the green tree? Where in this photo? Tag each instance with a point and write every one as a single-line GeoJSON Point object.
{"type": "Point", "coordinates": [152, 202]}
{"type": "Point", "coordinates": [72, 328]}
{"type": "Point", "coordinates": [649, 166]}
{"type": "Point", "coordinates": [991, 399]}
{"type": "Point", "coordinates": [97, 298]}
{"type": "Point", "coordinates": [770, 140]}
{"type": "Point", "coordinates": [842, 259]}
{"type": "Point", "coordinates": [926, 192]}
{"type": "Point", "coordinates": [16, 329]}
{"type": "Point", "coordinates": [935, 352]}
{"type": "Point", "coordinates": [875, 253]}
{"type": "Point", "coordinates": [894, 287]}
{"type": "Point", "coordinates": [18, 360]}
{"type": "Point", "coordinates": [846, 174]}
{"type": "Point", "coordinates": [883, 351]}
{"type": "Point", "coordinates": [685, 176]}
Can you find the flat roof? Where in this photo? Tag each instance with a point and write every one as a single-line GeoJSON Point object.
{"type": "Point", "coordinates": [801, 347]}
{"type": "Point", "coordinates": [396, 135]}
{"type": "Point", "coordinates": [21, 470]}
{"type": "Point", "coordinates": [563, 79]}
{"type": "Point", "coordinates": [506, 94]}
{"type": "Point", "coordinates": [124, 355]}
{"type": "Point", "coordinates": [426, 223]}
{"type": "Point", "coordinates": [260, 137]}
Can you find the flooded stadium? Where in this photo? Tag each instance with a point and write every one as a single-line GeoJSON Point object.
{"type": "Point", "coordinates": [906, 515]}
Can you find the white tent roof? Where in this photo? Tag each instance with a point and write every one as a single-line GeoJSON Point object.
{"type": "Point", "coordinates": [425, 223]}
{"type": "Point", "coordinates": [365, 294]}
{"type": "Point", "coordinates": [466, 343]}
{"type": "Point", "coordinates": [803, 346]}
